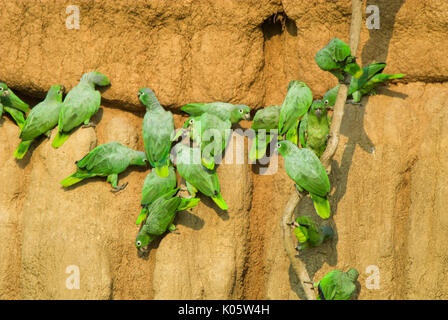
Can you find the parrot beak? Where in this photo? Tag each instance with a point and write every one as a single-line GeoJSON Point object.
{"type": "Point", "coordinates": [318, 113]}
{"type": "Point", "coordinates": [247, 116]}
{"type": "Point", "coordinates": [62, 88]}
{"type": "Point", "coordinates": [6, 93]}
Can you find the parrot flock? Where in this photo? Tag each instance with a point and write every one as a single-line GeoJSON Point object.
{"type": "Point", "coordinates": [301, 127]}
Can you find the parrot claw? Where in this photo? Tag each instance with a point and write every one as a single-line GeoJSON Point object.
{"type": "Point", "coordinates": [90, 125]}
{"type": "Point", "coordinates": [118, 189]}
{"type": "Point", "coordinates": [346, 80]}
{"type": "Point", "coordinates": [350, 101]}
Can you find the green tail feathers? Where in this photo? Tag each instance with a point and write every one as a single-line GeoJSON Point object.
{"type": "Point", "coordinates": [393, 76]}
{"type": "Point", "coordinates": [209, 163]}
{"type": "Point", "coordinates": [291, 135]}
{"type": "Point", "coordinates": [75, 178]}
{"type": "Point", "coordinates": [163, 171]}
{"type": "Point", "coordinates": [142, 216]}
{"type": "Point", "coordinates": [60, 139]}
{"type": "Point", "coordinates": [259, 147]}
{"type": "Point", "coordinates": [22, 149]}
{"type": "Point", "coordinates": [322, 205]}
{"type": "Point", "coordinates": [188, 203]}
{"type": "Point", "coordinates": [220, 202]}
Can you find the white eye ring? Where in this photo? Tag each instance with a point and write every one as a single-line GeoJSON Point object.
{"type": "Point", "coordinates": [326, 101]}
{"type": "Point", "coordinates": [241, 110]}
{"type": "Point", "coordinates": [1, 89]}
{"type": "Point", "coordinates": [139, 243]}
{"type": "Point", "coordinates": [191, 121]}
{"type": "Point", "coordinates": [278, 145]}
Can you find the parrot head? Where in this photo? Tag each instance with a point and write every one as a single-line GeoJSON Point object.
{"type": "Point", "coordinates": [56, 92]}
{"type": "Point", "coordinates": [284, 146]}
{"type": "Point", "coordinates": [147, 97]}
{"type": "Point", "coordinates": [4, 91]}
{"type": "Point", "coordinates": [330, 96]}
{"type": "Point", "coordinates": [318, 108]}
{"type": "Point", "coordinates": [353, 274]}
{"type": "Point", "coordinates": [185, 130]}
{"type": "Point", "coordinates": [295, 84]}
{"type": "Point", "coordinates": [139, 158]}
{"type": "Point", "coordinates": [240, 112]}
{"type": "Point", "coordinates": [143, 239]}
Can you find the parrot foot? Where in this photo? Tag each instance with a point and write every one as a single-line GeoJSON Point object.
{"type": "Point", "coordinates": [346, 80]}
{"type": "Point", "coordinates": [351, 101]}
{"type": "Point", "coordinates": [89, 125]}
{"type": "Point", "coordinates": [118, 189]}
{"type": "Point", "coordinates": [293, 224]}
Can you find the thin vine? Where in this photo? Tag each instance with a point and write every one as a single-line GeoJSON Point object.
{"type": "Point", "coordinates": [294, 199]}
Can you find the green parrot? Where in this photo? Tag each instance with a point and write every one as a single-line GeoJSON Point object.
{"type": "Point", "coordinates": [305, 168]}
{"type": "Point", "coordinates": [297, 102]}
{"type": "Point", "coordinates": [371, 78]}
{"type": "Point", "coordinates": [315, 128]}
{"type": "Point", "coordinates": [10, 103]}
{"type": "Point", "coordinates": [337, 285]}
{"type": "Point", "coordinates": [107, 160]}
{"type": "Point", "coordinates": [196, 176]}
{"type": "Point", "coordinates": [158, 132]}
{"type": "Point", "coordinates": [80, 104]}
{"type": "Point", "coordinates": [154, 187]}
{"type": "Point", "coordinates": [161, 216]}
{"type": "Point", "coordinates": [42, 118]}
{"type": "Point", "coordinates": [211, 134]}
{"type": "Point", "coordinates": [336, 58]}
{"type": "Point", "coordinates": [264, 121]}
{"type": "Point", "coordinates": [225, 111]}
{"type": "Point", "coordinates": [309, 234]}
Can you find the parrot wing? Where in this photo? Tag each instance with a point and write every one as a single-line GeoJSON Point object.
{"type": "Point", "coordinates": [80, 104]}
{"type": "Point", "coordinates": [330, 284]}
{"type": "Point", "coordinates": [377, 80]}
{"type": "Point", "coordinates": [17, 115]}
{"type": "Point", "coordinates": [296, 103]}
{"type": "Point", "coordinates": [307, 171]}
{"type": "Point", "coordinates": [158, 127]}
{"type": "Point", "coordinates": [266, 118]}
{"type": "Point", "coordinates": [15, 102]}
{"type": "Point", "coordinates": [42, 118]}
{"type": "Point", "coordinates": [303, 128]}
{"type": "Point", "coordinates": [161, 215]}
{"type": "Point", "coordinates": [155, 186]}
{"type": "Point", "coordinates": [194, 109]}
{"type": "Point", "coordinates": [106, 159]}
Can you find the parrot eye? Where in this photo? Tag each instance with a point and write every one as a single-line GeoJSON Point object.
{"type": "Point", "coordinates": [1, 89]}
{"type": "Point", "coordinates": [191, 121]}
{"type": "Point", "coordinates": [139, 243]}
{"type": "Point", "coordinates": [241, 111]}
{"type": "Point", "coordinates": [278, 145]}
{"type": "Point", "coordinates": [326, 101]}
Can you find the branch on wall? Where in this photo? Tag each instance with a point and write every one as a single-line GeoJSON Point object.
{"type": "Point", "coordinates": [294, 199]}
